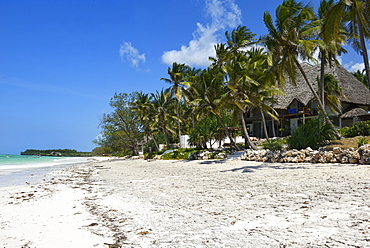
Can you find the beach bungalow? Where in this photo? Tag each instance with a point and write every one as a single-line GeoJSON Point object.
{"type": "Point", "coordinates": [298, 104]}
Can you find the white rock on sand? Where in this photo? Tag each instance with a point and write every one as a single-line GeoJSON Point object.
{"type": "Point", "coordinates": [135, 203]}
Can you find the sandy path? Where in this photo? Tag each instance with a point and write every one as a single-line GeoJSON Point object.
{"type": "Point", "coordinates": [136, 203]}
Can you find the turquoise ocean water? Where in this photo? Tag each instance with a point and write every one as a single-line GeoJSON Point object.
{"type": "Point", "coordinates": [19, 169]}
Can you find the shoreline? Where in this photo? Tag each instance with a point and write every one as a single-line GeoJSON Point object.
{"type": "Point", "coordinates": [209, 203]}
{"type": "Point", "coordinates": [37, 173]}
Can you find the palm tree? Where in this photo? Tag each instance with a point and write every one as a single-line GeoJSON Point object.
{"type": "Point", "coordinates": [248, 76]}
{"type": "Point", "coordinates": [240, 85]}
{"type": "Point", "coordinates": [231, 58]}
{"type": "Point", "coordinates": [141, 105]}
{"type": "Point", "coordinates": [291, 38]}
{"type": "Point", "coordinates": [356, 14]}
{"type": "Point", "coordinates": [263, 99]}
{"type": "Point", "coordinates": [191, 75]}
{"type": "Point", "coordinates": [330, 48]}
{"type": "Point", "coordinates": [333, 93]}
{"type": "Point", "coordinates": [257, 89]}
{"type": "Point", "coordinates": [162, 105]}
{"type": "Point", "coordinates": [208, 94]}
{"type": "Point", "coordinates": [177, 75]}
{"type": "Point", "coordinates": [361, 76]}
{"type": "Point", "coordinates": [240, 38]}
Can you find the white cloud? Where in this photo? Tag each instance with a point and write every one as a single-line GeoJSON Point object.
{"type": "Point", "coordinates": [198, 51]}
{"type": "Point", "coordinates": [355, 67]}
{"type": "Point", "coordinates": [340, 61]}
{"type": "Point", "coordinates": [315, 55]}
{"type": "Point", "coordinates": [127, 51]}
{"type": "Point", "coordinates": [224, 14]}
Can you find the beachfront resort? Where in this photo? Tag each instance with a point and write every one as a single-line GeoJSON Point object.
{"type": "Point", "coordinates": [266, 147]}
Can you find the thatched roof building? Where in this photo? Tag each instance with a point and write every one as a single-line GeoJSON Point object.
{"type": "Point", "coordinates": [356, 112]}
{"type": "Point", "coordinates": [354, 90]}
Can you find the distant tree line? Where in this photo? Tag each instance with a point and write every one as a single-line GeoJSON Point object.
{"type": "Point", "coordinates": [56, 152]}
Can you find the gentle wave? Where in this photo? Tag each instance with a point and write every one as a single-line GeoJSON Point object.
{"type": "Point", "coordinates": [29, 164]}
{"type": "Point", "coordinates": [17, 169]}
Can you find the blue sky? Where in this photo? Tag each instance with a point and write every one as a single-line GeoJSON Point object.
{"type": "Point", "coordinates": [61, 61]}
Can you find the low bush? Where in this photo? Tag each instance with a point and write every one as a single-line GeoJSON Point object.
{"type": "Point", "coordinates": [273, 144]}
{"type": "Point", "coordinates": [182, 153]}
{"type": "Point", "coordinates": [358, 128]}
{"type": "Point", "coordinates": [314, 133]}
{"type": "Point", "coordinates": [362, 141]}
{"type": "Point", "coordinates": [193, 154]}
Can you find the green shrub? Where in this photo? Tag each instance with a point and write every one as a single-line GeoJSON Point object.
{"type": "Point", "coordinates": [347, 132]}
{"type": "Point", "coordinates": [358, 128]}
{"type": "Point", "coordinates": [182, 153]}
{"type": "Point", "coordinates": [273, 144]}
{"type": "Point", "coordinates": [191, 153]}
{"type": "Point", "coordinates": [314, 133]}
{"type": "Point", "coordinates": [362, 141]}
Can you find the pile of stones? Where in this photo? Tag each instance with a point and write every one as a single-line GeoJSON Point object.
{"type": "Point", "coordinates": [308, 155]}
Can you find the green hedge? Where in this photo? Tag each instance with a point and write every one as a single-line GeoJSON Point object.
{"type": "Point", "coordinates": [191, 153]}
{"type": "Point", "coordinates": [358, 128]}
{"type": "Point", "coordinates": [182, 153]}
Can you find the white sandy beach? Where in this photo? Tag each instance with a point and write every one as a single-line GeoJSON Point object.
{"type": "Point", "coordinates": [135, 203]}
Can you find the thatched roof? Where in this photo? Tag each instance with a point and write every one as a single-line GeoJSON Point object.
{"type": "Point", "coordinates": [355, 113]}
{"type": "Point", "coordinates": [353, 89]}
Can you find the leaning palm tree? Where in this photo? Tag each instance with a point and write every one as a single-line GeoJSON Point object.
{"type": "Point", "coordinates": [177, 75]}
{"type": "Point", "coordinates": [239, 85]}
{"type": "Point", "coordinates": [293, 37]}
{"type": "Point", "coordinates": [255, 90]}
{"type": "Point", "coordinates": [356, 14]}
{"type": "Point", "coordinates": [232, 60]}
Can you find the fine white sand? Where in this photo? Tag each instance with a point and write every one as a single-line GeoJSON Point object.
{"type": "Point", "coordinates": [135, 203]}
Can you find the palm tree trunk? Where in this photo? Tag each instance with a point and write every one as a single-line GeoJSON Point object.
{"type": "Point", "coordinates": [273, 127]}
{"type": "Point", "coordinates": [245, 130]}
{"type": "Point", "coordinates": [322, 74]}
{"type": "Point", "coordinates": [193, 119]}
{"type": "Point", "coordinates": [178, 121]}
{"type": "Point", "coordinates": [155, 142]}
{"type": "Point", "coordinates": [337, 134]}
{"type": "Point", "coordinates": [364, 51]}
{"type": "Point", "coordinates": [264, 124]}
{"type": "Point", "coordinates": [164, 129]}
{"type": "Point", "coordinates": [165, 136]}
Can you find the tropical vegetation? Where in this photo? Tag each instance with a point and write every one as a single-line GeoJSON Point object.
{"type": "Point", "coordinates": [356, 129]}
{"type": "Point", "coordinates": [314, 133]}
{"type": "Point", "coordinates": [245, 75]}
